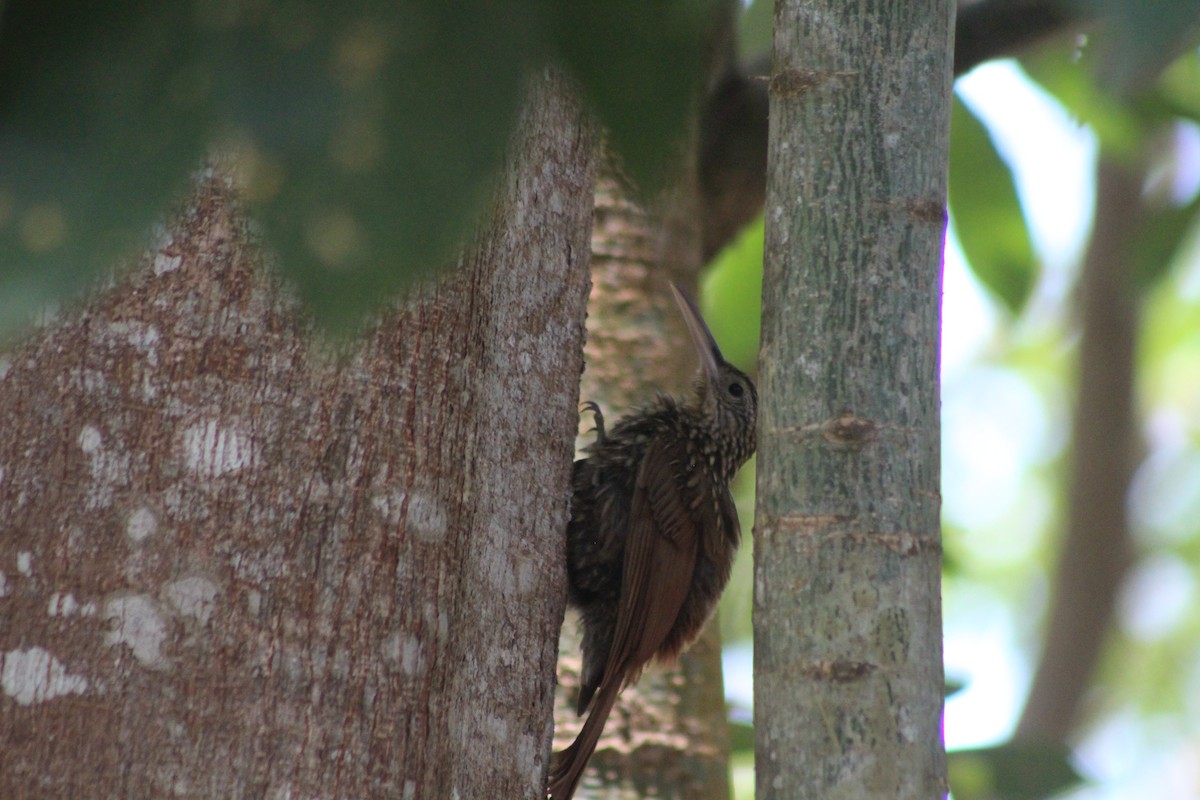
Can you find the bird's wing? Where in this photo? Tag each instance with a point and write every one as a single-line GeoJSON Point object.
{"type": "Point", "coordinates": [660, 557]}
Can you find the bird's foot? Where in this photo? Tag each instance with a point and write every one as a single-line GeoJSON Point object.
{"type": "Point", "coordinates": [591, 406]}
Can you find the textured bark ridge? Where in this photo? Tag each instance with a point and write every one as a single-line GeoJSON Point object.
{"type": "Point", "coordinates": [847, 605]}
{"type": "Point", "coordinates": [233, 564]}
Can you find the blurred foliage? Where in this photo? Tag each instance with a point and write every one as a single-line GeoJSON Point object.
{"type": "Point", "coordinates": [731, 296]}
{"type": "Point", "coordinates": [1142, 38]}
{"type": "Point", "coordinates": [986, 213]}
{"type": "Point", "coordinates": [1011, 772]}
{"type": "Point", "coordinates": [641, 65]}
{"type": "Point", "coordinates": [368, 134]}
{"type": "Point", "coordinates": [1004, 772]}
{"type": "Point", "coordinates": [755, 29]}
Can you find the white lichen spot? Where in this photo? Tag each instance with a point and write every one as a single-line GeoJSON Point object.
{"type": "Point", "coordinates": [319, 490]}
{"type": "Point", "coordinates": [389, 504]}
{"type": "Point", "coordinates": [144, 337]}
{"type": "Point", "coordinates": [390, 647]}
{"type": "Point", "coordinates": [63, 605]}
{"type": "Point", "coordinates": [33, 676]}
{"type": "Point", "coordinates": [254, 601]}
{"type": "Point", "coordinates": [496, 570]}
{"type": "Point", "coordinates": [426, 519]}
{"type": "Point", "coordinates": [528, 748]}
{"type": "Point", "coordinates": [164, 263]}
{"type": "Point", "coordinates": [412, 656]}
{"type": "Point", "coordinates": [141, 335]}
{"type": "Point", "coordinates": [25, 563]}
{"type": "Point", "coordinates": [497, 728]}
{"type": "Point", "coordinates": [141, 524]}
{"type": "Point", "coordinates": [283, 791]}
{"type": "Point", "coordinates": [526, 577]}
{"type": "Point", "coordinates": [909, 731]}
{"type": "Point", "coordinates": [420, 514]}
{"type": "Point", "coordinates": [212, 448]}
{"type": "Point", "coordinates": [108, 466]}
{"type": "Point", "coordinates": [138, 624]}
{"type": "Point", "coordinates": [5, 366]}
{"type": "Point", "coordinates": [3, 584]}
{"type": "Point", "coordinates": [90, 439]}
{"type": "Point", "coordinates": [193, 597]}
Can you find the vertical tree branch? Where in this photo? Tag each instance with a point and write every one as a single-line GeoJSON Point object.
{"type": "Point", "coordinates": [847, 633]}
{"type": "Point", "coordinates": [1096, 549]}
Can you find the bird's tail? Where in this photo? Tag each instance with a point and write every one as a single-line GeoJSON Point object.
{"type": "Point", "coordinates": [570, 763]}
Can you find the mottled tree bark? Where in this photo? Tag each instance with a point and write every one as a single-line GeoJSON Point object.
{"type": "Point", "coordinates": [234, 565]}
{"type": "Point", "coordinates": [848, 639]}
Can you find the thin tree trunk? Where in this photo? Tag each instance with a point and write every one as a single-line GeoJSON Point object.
{"type": "Point", "coordinates": [847, 634]}
{"type": "Point", "coordinates": [234, 566]}
{"type": "Point", "coordinates": [1096, 548]}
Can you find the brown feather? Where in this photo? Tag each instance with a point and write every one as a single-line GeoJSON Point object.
{"type": "Point", "coordinates": [652, 535]}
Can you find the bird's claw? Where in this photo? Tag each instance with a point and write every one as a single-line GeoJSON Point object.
{"type": "Point", "coordinates": [597, 415]}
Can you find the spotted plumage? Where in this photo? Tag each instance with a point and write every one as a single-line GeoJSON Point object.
{"type": "Point", "coordinates": [653, 532]}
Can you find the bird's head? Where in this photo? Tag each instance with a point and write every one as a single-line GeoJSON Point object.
{"type": "Point", "coordinates": [724, 394]}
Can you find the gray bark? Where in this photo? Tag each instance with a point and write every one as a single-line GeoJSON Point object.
{"type": "Point", "coordinates": [848, 656]}
{"type": "Point", "coordinates": [236, 566]}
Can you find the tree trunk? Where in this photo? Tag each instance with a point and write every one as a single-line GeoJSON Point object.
{"type": "Point", "coordinates": [234, 566]}
{"type": "Point", "coordinates": [848, 640]}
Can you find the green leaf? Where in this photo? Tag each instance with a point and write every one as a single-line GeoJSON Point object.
{"type": "Point", "coordinates": [1179, 87]}
{"type": "Point", "coordinates": [374, 133]}
{"type": "Point", "coordinates": [1012, 771]}
{"type": "Point", "coordinates": [103, 113]}
{"type": "Point", "coordinates": [641, 65]}
{"type": "Point", "coordinates": [741, 732]}
{"type": "Point", "coordinates": [986, 212]}
{"type": "Point", "coordinates": [1159, 239]}
{"type": "Point", "coordinates": [1070, 82]}
{"type": "Point", "coordinates": [368, 134]}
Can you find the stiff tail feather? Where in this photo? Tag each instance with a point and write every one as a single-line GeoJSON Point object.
{"type": "Point", "coordinates": [570, 763]}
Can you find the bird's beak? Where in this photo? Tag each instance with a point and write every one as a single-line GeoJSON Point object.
{"type": "Point", "coordinates": [702, 338]}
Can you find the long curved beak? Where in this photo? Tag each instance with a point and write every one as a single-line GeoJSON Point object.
{"type": "Point", "coordinates": [702, 338]}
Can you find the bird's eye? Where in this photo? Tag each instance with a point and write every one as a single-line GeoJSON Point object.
{"type": "Point", "coordinates": [736, 390]}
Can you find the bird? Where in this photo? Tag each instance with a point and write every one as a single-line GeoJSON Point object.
{"type": "Point", "coordinates": [652, 533]}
